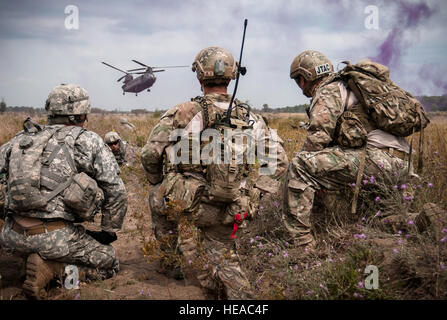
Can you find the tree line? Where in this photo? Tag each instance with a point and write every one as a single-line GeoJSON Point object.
{"type": "Point", "coordinates": [430, 103]}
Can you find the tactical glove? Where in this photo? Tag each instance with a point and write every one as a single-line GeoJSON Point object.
{"type": "Point", "coordinates": [102, 236]}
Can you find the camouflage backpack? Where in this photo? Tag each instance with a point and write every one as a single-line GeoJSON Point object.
{"type": "Point", "coordinates": [225, 177]}
{"type": "Point", "coordinates": [41, 166]}
{"type": "Point", "coordinates": [391, 108]}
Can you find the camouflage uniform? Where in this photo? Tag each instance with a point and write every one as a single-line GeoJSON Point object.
{"type": "Point", "coordinates": [322, 163]}
{"type": "Point", "coordinates": [71, 244]}
{"type": "Point", "coordinates": [184, 188]}
{"type": "Point", "coordinates": [121, 153]}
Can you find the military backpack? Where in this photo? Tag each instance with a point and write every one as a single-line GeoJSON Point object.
{"type": "Point", "coordinates": [39, 171]}
{"type": "Point", "coordinates": [225, 176]}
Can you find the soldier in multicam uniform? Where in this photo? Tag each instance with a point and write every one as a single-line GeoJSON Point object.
{"type": "Point", "coordinates": [322, 163]}
{"type": "Point", "coordinates": [188, 200]}
{"type": "Point", "coordinates": [47, 236]}
{"type": "Point", "coordinates": [117, 146]}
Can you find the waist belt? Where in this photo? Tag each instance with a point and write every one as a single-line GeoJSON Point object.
{"type": "Point", "coordinates": [394, 152]}
{"type": "Point", "coordinates": [45, 227]}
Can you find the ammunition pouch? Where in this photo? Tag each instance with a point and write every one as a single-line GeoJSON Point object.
{"type": "Point", "coordinates": [83, 196]}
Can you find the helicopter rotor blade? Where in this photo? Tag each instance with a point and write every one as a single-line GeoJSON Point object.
{"type": "Point", "coordinates": [114, 67]}
{"type": "Point", "coordinates": [158, 70]}
{"type": "Point", "coordinates": [141, 63]}
{"type": "Point", "coordinates": [173, 67]}
{"type": "Point", "coordinates": [120, 78]}
{"type": "Point", "coordinates": [136, 69]}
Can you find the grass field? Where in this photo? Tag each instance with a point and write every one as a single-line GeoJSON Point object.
{"type": "Point", "coordinates": [411, 264]}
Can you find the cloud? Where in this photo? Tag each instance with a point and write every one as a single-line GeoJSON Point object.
{"type": "Point", "coordinates": [38, 52]}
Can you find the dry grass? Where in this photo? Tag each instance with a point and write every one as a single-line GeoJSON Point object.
{"type": "Point", "coordinates": [412, 265]}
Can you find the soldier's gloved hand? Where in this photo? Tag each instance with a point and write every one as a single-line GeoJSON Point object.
{"type": "Point", "coordinates": [102, 237]}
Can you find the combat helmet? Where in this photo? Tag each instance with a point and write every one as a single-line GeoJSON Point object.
{"type": "Point", "coordinates": [111, 137]}
{"type": "Point", "coordinates": [311, 64]}
{"type": "Point", "coordinates": [67, 100]}
{"type": "Point", "coordinates": [214, 65]}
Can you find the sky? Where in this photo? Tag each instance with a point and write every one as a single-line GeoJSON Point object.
{"type": "Point", "coordinates": [38, 51]}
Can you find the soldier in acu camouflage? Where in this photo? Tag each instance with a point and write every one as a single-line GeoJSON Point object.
{"type": "Point", "coordinates": [186, 202]}
{"type": "Point", "coordinates": [323, 163]}
{"type": "Point", "coordinates": [118, 146]}
{"type": "Point", "coordinates": [47, 236]}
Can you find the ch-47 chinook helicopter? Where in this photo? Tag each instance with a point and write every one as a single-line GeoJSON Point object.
{"type": "Point", "coordinates": [140, 83]}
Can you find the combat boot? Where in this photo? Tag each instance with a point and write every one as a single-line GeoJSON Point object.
{"type": "Point", "coordinates": [39, 273]}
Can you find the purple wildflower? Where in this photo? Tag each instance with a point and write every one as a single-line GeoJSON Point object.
{"type": "Point", "coordinates": [436, 152]}
{"type": "Point", "coordinates": [444, 230]}
{"type": "Point", "coordinates": [260, 245]}
{"type": "Point", "coordinates": [270, 254]}
{"type": "Point", "coordinates": [261, 207]}
{"type": "Point", "coordinates": [430, 185]}
{"type": "Point", "coordinates": [403, 186]}
{"type": "Point", "coordinates": [252, 240]}
{"type": "Point", "coordinates": [372, 179]}
{"type": "Point", "coordinates": [365, 181]}
{"type": "Point", "coordinates": [395, 251]}
{"type": "Point", "coordinates": [78, 296]}
{"type": "Point", "coordinates": [411, 222]}
{"type": "Point", "coordinates": [353, 184]}
{"type": "Point", "coordinates": [444, 239]}
{"type": "Point", "coordinates": [395, 187]}
{"type": "Point", "coordinates": [378, 213]}
{"type": "Point", "coordinates": [141, 291]}
{"type": "Point", "coordinates": [285, 254]}
{"type": "Point", "coordinates": [309, 292]}
{"type": "Point", "coordinates": [442, 266]}
{"type": "Point", "coordinates": [296, 267]}
{"type": "Point", "coordinates": [377, 199]}
{"type": "Point", "coordinates": [360, 284]}
{"type": "Point", "coordinates": [395, 173]}
{"type": "Point", "coordinates": [380, 164]}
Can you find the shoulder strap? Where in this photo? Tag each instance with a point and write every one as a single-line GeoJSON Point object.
{"type": "Point", "coordinates": [204, 104]}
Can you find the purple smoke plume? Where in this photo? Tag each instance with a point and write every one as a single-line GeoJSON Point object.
{"type": "Point", "coordinates": [431, 73]}
{"type": "Point", "coordinates": [410, 16]}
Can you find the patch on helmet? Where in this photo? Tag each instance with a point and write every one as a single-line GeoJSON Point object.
{"type": "Point", "coordinates": [321, 69]}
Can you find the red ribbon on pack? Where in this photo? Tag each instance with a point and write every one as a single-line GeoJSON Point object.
{"type": "Point", "coordinates": [238, 219]}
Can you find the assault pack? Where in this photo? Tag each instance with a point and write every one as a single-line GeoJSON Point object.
{"type": "Point", "coordinates": [392, 109]}
{"type": "Point", "coordinates": [225, 178]}
{"type": "Point", "coordinates": [40, 170]}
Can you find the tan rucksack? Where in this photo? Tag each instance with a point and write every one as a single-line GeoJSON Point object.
{"type": "Point", "coordinates": [225, 179]}
{"type": "Point", "coordinates": [392, 109]}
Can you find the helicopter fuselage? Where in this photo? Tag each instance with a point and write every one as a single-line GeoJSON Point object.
{"type": "Point", "coordinates": [140, 83]}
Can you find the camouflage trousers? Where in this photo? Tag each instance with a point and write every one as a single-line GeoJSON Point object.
{"type": "Point", "coordinates": [201, 230]}
{"type": "Point", "coordinates": [330, 169]}
{"type": "Point", "coordinates": [70, 245]}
